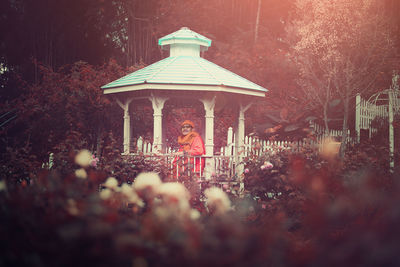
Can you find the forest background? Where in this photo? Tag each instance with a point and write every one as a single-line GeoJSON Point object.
{"type": "Point", "coordinates": [54, 56]}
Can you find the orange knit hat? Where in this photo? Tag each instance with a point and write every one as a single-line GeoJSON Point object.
{"type": "Point", "coordinates": [188, 122]}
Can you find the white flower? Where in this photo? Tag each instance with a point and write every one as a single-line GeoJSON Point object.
{"type": "Point", "coordinates": [126, 190]}
{"type": "Point", "coordinates": [111, 183]}
{"type": "Point", "coordinates": [83, 158]}
{"type": "Point", "coordinates": [81, 173]}
{"type": "Point", "coordinates": [174, 202]}
{"type": "Point", "coordinates": [71, 207]}
{"type": "Point", "coordinates": [217, 200]}
{"type": "Point", "coordinates": [163, 213]}
{"type": "Point", "coordinates": [131, 195]}
{"type": "Point", "coordinates": [175, 190]}
{"type": "Point", "coordinates": [105, 194]}
{"type": "Point", "coordinates": [135, 199]}
{"type": "Point", "coordinates": [146, 180]}
{"type": "Point", "coordinates": [194, 214]}
{"type": "Point", "coordinates": [3, 185]}
{"type": "Point", "coordinates": [175, 195]}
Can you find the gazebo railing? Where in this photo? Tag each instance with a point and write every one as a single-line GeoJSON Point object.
{"type": "Point", "coordinates": [217, 167]}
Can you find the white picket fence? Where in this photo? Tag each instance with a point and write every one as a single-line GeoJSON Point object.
{"type": "Point", "coordinates": [252, 144]}
{"type": "Point", "coordinates": [224, 164]}
{"type": "Point", "coordinates": [143, 146]}
{"type": "Point", "coordinates": [320, 134]}
{"type": "Point", "coordinates": [366, 112]}
{"type": "Point", "coordinates": [226, 160]}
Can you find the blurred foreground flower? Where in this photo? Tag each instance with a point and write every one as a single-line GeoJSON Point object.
{"type": "Point", "coordinates": [3, 186]}
{"type": "Point", "coordinates": [174, 205]}
{"type": "Point", "coordinates": [111, 183]}
{"type": "Point", "coordinates": [71, 207]}
{"type": "Point", "coordinates": [329, 148]}
{"type": "Point", "coordinates": [83, 158]}
{"type": "Point", "coordinates": [194, 214]}
{"type": "Point", "coordinates": [81, 173]}
{"type": "Point", "coordinates": [131, 195]}
{"type": "Point", "coordinates": [105, 194]}
{"type": "Point", "coordinates": [146, 184]}
{"type": "Point", "coordinates": [217, 200]}
{"type": "Point", "coordinates": [175, 195]}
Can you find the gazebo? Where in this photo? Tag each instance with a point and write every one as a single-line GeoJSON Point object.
{"type": "Point", "coordinates": [184, 74]}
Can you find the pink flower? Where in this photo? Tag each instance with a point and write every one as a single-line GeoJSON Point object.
{"type": "Point", "coordinates": [263, 206]}
{"type": "Point", "coordinates": [94, 161]}
{"type": "Point", "coordinates": [267, 165]}
{"type": "Point", "coordinates": [246, 170]}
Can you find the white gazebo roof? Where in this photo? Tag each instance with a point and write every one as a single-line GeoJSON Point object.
{"type": "Point", "coordinates": [185, 70]}
{"type": "Point", "coordinates": [184, 73]}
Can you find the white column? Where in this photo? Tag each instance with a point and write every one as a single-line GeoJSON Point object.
{"type": "Point", "coordinates": [393, 93]}
{"type": "Point", "coordinates": [127, 127]}
{"type": "Point", "coordinates": [229, 142]}
{"type": "Point", "coordinates": [158, 105]}
{"type": "Point", "coordinates": [240, 131]}
{"type": "Point", "coordinates": [240, 144]}
{"type": "Point", "coordinates": [209, 104]}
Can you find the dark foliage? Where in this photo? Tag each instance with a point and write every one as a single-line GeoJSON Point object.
{"type": "Point", "coordinates": [299, 209]}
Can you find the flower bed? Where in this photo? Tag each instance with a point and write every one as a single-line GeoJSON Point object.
{"type": "Point", "coordinates": [297, 209]}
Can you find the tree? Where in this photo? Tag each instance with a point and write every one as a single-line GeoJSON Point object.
{"type": "Point", "coordinates": [341, 47]}
{"type": "Point", "coordinates": [65, 102]}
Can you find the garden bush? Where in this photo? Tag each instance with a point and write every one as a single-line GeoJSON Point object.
{"type": "Point", "coordinates": [298, 209]}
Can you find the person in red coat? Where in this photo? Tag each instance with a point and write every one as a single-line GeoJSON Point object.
{"type": "Point", "coordinates": [191, 146]}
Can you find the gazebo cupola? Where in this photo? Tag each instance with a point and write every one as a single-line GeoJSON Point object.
{"type": "Point", "coordinates": [184, 74]}
{"type": "Point", "coordinates": [184, 43]}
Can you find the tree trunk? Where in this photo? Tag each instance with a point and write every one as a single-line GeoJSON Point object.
{"type": "Point", "coordinates": [326, 118]}
{"type": "Point", "coordinates": [99, 143]}
{"type": "Point", "coordinates": [345, 126]}
{"type": "Point", "coordinates": [257, 21]}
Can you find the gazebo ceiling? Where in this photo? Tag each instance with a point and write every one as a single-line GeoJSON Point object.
{"type": "Point", "coordinates": [185, 70]}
